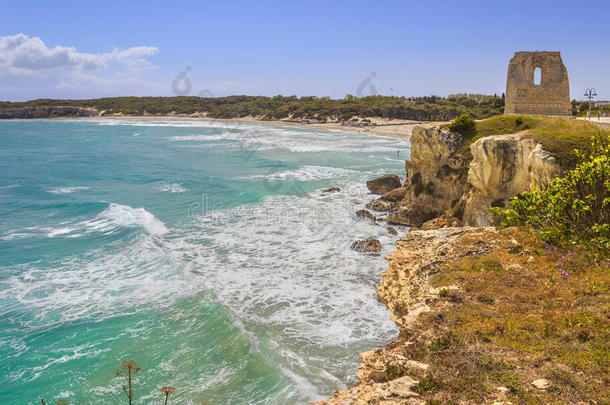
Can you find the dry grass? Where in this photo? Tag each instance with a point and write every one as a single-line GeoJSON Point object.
{"type": "Point", "coordinates": [560, 136]}
{"type": "Point", "coordinates": [513, 319]}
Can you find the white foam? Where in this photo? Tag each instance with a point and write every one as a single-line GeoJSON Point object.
{"type": "Point", "coordinates": [113, 219]}
{"type": "Point", "coordinates": [118, 216]}
{"type": "Point", "coordinates": [67, 190]}
{"type": "Point", "coordinates": [307, 173]}
{"type": "Point", "coordinates": [170, 187]}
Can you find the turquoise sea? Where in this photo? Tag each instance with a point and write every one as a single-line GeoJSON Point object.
{"type": "Point", "coordinates": [205, 251]}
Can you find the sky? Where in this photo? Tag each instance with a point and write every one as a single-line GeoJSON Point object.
{"type": "Point", "coordinates": [86, 49]}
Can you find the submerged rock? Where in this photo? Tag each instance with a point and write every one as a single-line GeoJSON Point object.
{"type": "Point", "coordinates": [383, 184]}
{"type": "Point", "coordinates": [332, 190]}
{"type": "Point", "coordinates": [364, 214]}
{"type": "Point", "coordinates": [368, 246]}
{"type": "Point", "coordinates": [391, 230]}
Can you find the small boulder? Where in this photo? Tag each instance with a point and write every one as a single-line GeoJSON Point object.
{"type": "Point", "coordinates": [369, 246]}
{"type": "Point", "coordinates": [395, 195]}
{"type": "Point", "coordinates": [541, 383]}
{"type": "Point", "coordinates": [381, 206]}
{"type": "Point", "coordinates": [332, 190]}
{"type": "Point", "coordinates": [384, 184]}
{"type": "Point", "coordinates": [364, 214]}
{"type": "Point", "coordinates": [391, 230]}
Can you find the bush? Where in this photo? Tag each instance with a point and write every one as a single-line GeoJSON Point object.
{"type": "Point", "coordinates": [519, 121]}
{"type": "Point", "coordinates": [575, 207]}
{"type": "Point", "coordinates": [463, 125]}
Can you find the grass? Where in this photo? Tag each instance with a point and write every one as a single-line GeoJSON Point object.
{"type": "Point", "coordinates": [560, 136]}
{"type": "Point", "coordinates": [515, 318]}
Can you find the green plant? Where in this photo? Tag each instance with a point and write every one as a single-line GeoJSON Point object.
{"type": "Point", "coordinates": [519, 121]}
{"type": "Point", "coordinates": [575, 207]}
{"type": "Point", "coordinates": [463, 125]}
{"type": "Point", "coordinates": [127, 370]}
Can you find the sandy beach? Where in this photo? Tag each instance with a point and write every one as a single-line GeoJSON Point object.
{"type": "Point", "coordinates": [398, 128]}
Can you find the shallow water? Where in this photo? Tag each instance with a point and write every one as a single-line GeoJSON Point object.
{"type": "Point", "coordinates": [204, 251]}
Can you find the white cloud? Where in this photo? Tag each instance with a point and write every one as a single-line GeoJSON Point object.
{"type": "Point", "coordinates": [21, 55]}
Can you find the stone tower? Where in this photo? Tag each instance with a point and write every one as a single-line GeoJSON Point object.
{"type": "Point", "coordinates": [550, 97]}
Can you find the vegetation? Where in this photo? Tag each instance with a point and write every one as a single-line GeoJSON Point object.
{"type": "Point", "coordinates": [560, 136]}
{"type": "Point", "coordinates": [574, 208]}
{"type": "Point", "coordinates": [128, 370]}
{"type": "Point", "coordinates": [509, 316]}
{"type": "Point", "coordinates": [431, 108]}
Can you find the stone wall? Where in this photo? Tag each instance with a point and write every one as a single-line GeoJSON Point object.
{"type": "Point", "coordinates": [550, 97]}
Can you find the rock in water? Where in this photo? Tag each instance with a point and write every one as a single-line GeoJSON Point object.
{"type": "Point", "coordinates": [332, 190]}
{"type": "Point", "coordinates": [369, 246]}
{"type": "Point", "coordinates": [395, 195]}
{"type": "Point", "coordinates": [366, 215]}
{"type": "Point", "coordinates": [381, 206]}
{"type": "Point", "coordinates": [391, 230]}
{"type": "Point", "coordinates": [384, 184]}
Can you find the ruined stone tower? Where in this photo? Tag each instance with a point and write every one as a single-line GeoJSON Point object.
{"type": "Point", "coordinates": [550, 97]}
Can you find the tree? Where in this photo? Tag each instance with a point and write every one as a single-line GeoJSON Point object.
{"type": "Point", "coordinates": [127, 370]}
{"type": "Point", "coordinates": [168, 389]}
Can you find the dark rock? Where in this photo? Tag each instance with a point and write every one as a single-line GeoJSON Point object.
{"type": "Point", "coordinates": [395, 195]}
{"type": "Point", "coordinates": [381, 206]}
{"type": "Point", "coordinates": [369, 246]}
{"type": "Point", "coordinates": [366, 215]}
{"type": "Point", "coordinates": [410, 216]}
{"type": "Point", "coordinates": [332, 190]}
{"type": "Point", "coordinates": [384, 184]}
{"type": "Point", "coordinates": [392, 231]}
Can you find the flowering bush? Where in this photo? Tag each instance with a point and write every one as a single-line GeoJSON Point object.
{"type": "Point", "coordinates": [572, 208]}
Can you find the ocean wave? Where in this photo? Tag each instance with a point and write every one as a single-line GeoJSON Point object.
{"type": "Point", "coordinates": [66, 190]}
{"type": "Point", "coordinates": [118, 216]}
{"type": "Point", "coordinates": [307, 173]}
{"type": "Point", "coordinates": [113, 219]}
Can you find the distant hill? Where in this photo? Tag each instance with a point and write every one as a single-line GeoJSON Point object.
{"type": "Point", "coordinates": [430, 108]}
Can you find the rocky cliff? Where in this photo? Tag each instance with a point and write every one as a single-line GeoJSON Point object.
{"type": "Point", "coordinates": [46, 112]}
{"type": "Point", "coordinates": [448, 179]}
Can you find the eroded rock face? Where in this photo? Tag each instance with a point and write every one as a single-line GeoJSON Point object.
{"type": "Point", "coordinates": [443, 182]}
{"type": "Point", "coordinates": [383, 184]}
{"type": "Point", "coordinates": [436, 175]}
{"type": "Point", "coordinates": [502, 167]}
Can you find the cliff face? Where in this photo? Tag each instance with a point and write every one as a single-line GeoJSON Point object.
{"type": "Point", "coordinates": [502, 167]}
{"type": "Point", "coordinates": [46, 112]}
{"type": "Point", "coordinates": [436, 175]}
{"type": "Point", "coordinates": [443, 181]}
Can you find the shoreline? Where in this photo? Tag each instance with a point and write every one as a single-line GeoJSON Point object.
{"type": "Point", "coordinates": [384, 127]}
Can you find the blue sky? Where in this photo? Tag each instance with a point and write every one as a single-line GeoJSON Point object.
{"type": "Point", "coordinates": [79, 49]}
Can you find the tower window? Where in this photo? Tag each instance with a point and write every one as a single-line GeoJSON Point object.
{"type": "Point", "coordinates": [537, 76]}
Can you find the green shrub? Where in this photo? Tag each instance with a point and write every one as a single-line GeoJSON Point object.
{"type": "Point", "coordinates": [463, 125]}
{"type": "Point", "coordinates": [575, 207]}
{"type": "Point", "coordinates": [519, 121]}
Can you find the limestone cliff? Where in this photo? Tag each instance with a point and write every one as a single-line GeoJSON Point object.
{"type": "Point", "coordinates": [446, 179]}
{"type": "Point", "coordinates": [502, 166]}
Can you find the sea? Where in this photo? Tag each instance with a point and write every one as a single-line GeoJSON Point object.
{"type": "Point", "coordinates": [205, 251]}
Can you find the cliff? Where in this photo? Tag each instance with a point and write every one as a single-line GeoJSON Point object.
{"type": "Point", "coordinates": [448, 178]}
{"type": "Point", "coordinates": [46, 112]}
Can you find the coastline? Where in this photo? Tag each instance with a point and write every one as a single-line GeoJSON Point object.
{"type": "Point", "coordinates": [384, 127]}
